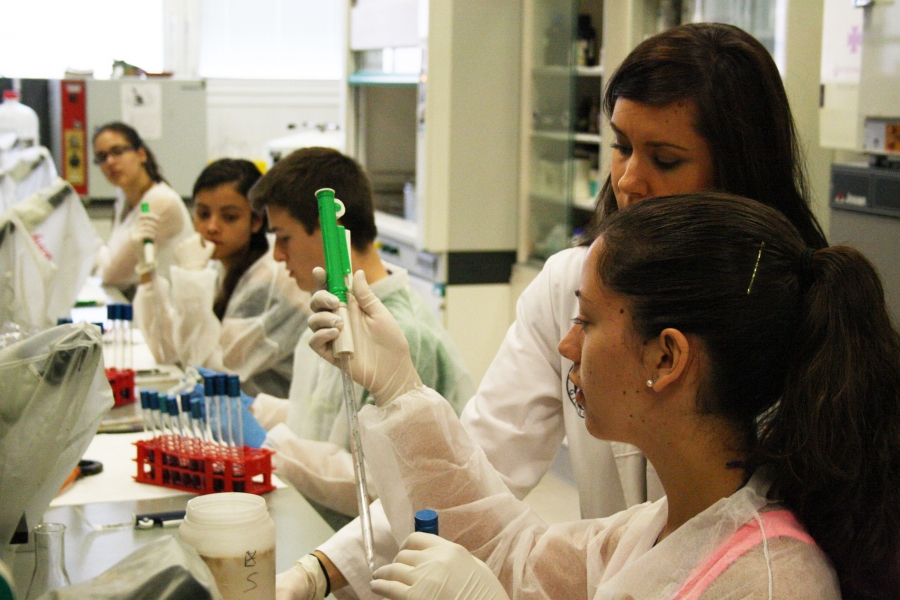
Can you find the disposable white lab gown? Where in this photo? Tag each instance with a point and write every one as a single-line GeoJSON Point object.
{"type": "Point", "coordinates": [24, 172]}
{"type": "Point", "coordinates": [421, 457]}
{"type": "Point", "coordinates": [117, 261]}
{"type": "Point", "coordinates": [519, 416]}
{"type": "Point", "coordinates": [255, 339]}
{"type": "Point", "coordinates": [312, 443]}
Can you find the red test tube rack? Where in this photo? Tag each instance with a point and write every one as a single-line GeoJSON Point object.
{"type": "Point", "coordinates": [202, 467]}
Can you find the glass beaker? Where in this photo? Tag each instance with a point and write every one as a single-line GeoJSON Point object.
{"type": "Point", "coordinates": [49, 560]}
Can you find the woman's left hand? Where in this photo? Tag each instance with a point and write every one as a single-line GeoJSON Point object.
{"type": "Point", "coordinates": [429, 567]}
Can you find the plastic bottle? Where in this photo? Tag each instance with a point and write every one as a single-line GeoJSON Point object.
{"type": "Point", "coordinates": [17, 118]}
{"type": "Point", "coordinates": [235, 536]}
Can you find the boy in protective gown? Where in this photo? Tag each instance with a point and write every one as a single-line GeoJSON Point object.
{"type": "Point", "coordinates": [309, 431]}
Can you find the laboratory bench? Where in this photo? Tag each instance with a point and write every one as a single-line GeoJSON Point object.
{"type": "Point", "coordinates": [98, 510]}
{"type": "Point", "coordinates": [111, 498]}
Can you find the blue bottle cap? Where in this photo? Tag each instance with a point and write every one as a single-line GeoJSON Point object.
{"type": "Point", "coordinates": [234, 386]}
{"type": "Point", "coordinates": [427, 521]}
{"type": "Point", "coordinates": [209, 385]}
{"type": "Point", "coordinates": [185, 402]}
{"type": "Point", "coordinates": [221, 383]}
{"type": "Point", "coordinates": [64, 320]}
{"type": "Point", "coordinates": [127, 312]}
{"type": "Point", "coordinates": [172, 405]}
{"type": "Point", "coordinates": [153, 399]}
{"type": "Point", "coordinates": [111, 311]}
{"type": "Point", "coordinates": [145, 400]}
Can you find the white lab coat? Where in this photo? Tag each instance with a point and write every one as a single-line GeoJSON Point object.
{"type": "Point", "coordinates": [255, 339]}
{"type": "Point", "coordinates": [117, 262]}
{"type": "Point", "coordinates": [519, 416]}
{"type": "Point", "coordinates": [420, 457]}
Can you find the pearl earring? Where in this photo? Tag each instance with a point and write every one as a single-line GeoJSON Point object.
{"type": "Point", "coordinates": [651, 383]}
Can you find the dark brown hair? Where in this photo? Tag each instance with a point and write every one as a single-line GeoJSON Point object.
{"type": "Point", "coordinates": [242, 174]}
{"type": "Point", "coordinates": [135, 141]}
{"type": "Point", "coordinates": [803, 359]}
{"type": "Point", "coordinates": [742, 113]}
{"type": "Point", "coordinates": [293, 181]}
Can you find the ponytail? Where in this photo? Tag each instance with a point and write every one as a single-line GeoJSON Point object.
{"type": "Point", "coordinates": [802, 358]}
{"type": "Point", "coordinates": [831, 445]}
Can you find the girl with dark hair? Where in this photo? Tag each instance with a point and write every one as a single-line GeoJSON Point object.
{"type": "Point", "coordinates": [698, 107]}
{"type": "Point", "coordinates": [231, 307]}
{"type": "Point", "coordinates": [128, 164]}
{"type": "Point", "coordinates": [760, 375]}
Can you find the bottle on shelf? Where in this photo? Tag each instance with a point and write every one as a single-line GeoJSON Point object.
{"type": "Point", "coordinates": [586, 55]}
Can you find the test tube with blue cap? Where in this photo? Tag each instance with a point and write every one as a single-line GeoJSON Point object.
{"type": "Point", "coordinates": [174, 418]}
{"type": "Point", "coordinates": [426, 521]}
{"type": "Point", "coordinates": [197, 420]}
{"type": "Point", "coordinates": [234, 403]}
{"type": "Point", "coordinates": [128, 341]}
{"type": "Point", "coordinates": [209, 389]}
{"type": "Point", "coordinates": [149, 424]}
{"type": "Point", "coordinates": [221, 386]}
{"type": "Point", "coordinates": [112, 313]}
{"type": "Point", "coordinates": [185, 417]}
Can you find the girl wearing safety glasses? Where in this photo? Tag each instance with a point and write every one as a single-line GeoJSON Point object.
{"type": "Point", "coordinates": [128, 164]}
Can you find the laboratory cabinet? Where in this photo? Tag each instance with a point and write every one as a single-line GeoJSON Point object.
{"type": "Point", "coordinates": [562, 81]}
{"type": "Point", "coordinates": [433, 116]}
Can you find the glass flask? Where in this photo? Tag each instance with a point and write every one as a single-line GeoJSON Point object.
{"type": "Point", "coordinates": [49, 560]}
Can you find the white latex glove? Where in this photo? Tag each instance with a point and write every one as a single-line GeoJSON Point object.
{"type": "Point", "coordinates": [194, 252]}
{"type": "Point", "coordinates": [145, 228]}
{"type": "Point", "coordinates": [381, 362]}
{"type": "Point", "coordinates": [304, 581]}
{"type": "Point", "coordinates": [429, 567]}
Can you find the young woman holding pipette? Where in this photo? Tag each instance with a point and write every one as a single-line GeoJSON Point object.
{"type": "Point", "coordinates": [227, 305]}
{"type": "Point", "coordinates": [760, 375]}
{"type": "Point", "coordinates": [128, 164]}
{"type": "Point", "coordinates": [697, 107]}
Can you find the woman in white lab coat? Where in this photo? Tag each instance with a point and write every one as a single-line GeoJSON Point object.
{"type": "Point", "coordinates": [231, 306]}
{"type": "Point", "coordinates": [759, 375]}
{"type": "Point", "coordinates": [128, 164]}
{"type": "Point", "coordinates": [698, 106]}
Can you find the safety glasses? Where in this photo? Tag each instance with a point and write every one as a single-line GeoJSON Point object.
{"type": "Point", "coordinates": [115, 151]}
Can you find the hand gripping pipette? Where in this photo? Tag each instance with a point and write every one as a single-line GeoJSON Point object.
{"type": "Point", "coordinates": [336, 242]}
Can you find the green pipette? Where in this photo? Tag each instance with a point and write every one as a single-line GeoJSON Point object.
{"type": "Point", "coordinates": [149, 248]}
{"type": "Point", "coordinates": [336, 243]}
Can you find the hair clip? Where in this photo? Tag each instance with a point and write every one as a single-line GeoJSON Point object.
{"type": "Point", "coordinates": [755, 267]}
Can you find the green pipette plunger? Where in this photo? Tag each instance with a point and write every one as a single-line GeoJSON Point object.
{"type": "Point", "coordinates": [149, 248]}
